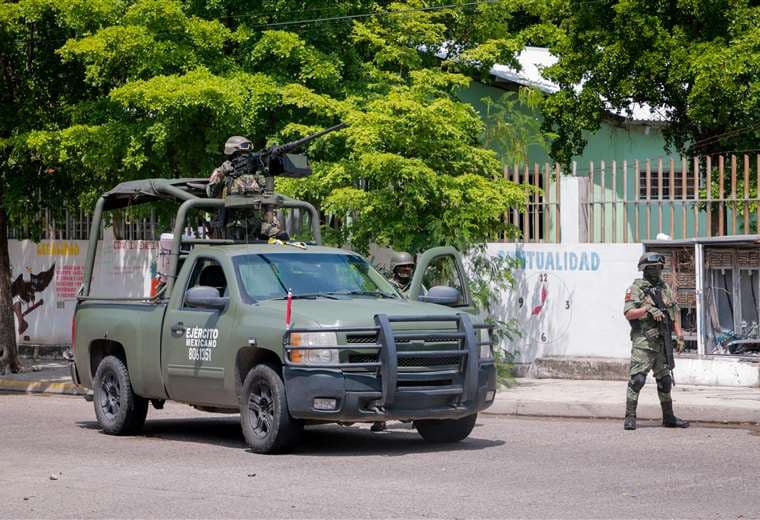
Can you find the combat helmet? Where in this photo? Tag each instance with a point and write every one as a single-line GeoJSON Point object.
{"type": "Point", "coordinates": [402, 258]}
{"type": "Point", "coordinates": [651, 259]}
{"type": "Point", "coordinates": [237, 143]}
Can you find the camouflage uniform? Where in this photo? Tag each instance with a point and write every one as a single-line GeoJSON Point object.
{"type": "Point", "coordinates": [648, 347]}
{"type": "Point", "coordinates": [240, 223]}
{"type": "Point", "coordinates": [647, 342]}
{"type": "Point", "coordinates": [398, 284]}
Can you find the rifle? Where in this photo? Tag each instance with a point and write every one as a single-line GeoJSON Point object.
{"type": "Point", "coordinates": [666, 325]}
{"type": "Point", "coordinates": [277, 160]}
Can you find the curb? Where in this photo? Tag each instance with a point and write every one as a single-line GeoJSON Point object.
{"type": "Point", "coordinates": [646, 411]}
{"type": "Point", "coordinates": [40, 387]}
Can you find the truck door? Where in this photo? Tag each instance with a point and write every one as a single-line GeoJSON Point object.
{"type": "Point", "coordinates": [192, 352]}
{"type": "Point", "coordinates": [441, 267]}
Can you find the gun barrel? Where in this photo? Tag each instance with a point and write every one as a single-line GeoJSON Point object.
{"type": "Point", "coordinates": [285, 148]}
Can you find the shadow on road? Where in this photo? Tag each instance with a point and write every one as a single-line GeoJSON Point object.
{"type": "Point", "coordinates": [398, 440]}
{"type": "Point", "coordinates": [318, 441]}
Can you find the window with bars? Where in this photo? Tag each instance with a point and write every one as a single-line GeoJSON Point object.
{"type": "Point", "coordinates": [677, 178]}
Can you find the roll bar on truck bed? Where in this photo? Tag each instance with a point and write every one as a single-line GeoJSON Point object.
{"type": "Point", "coordinates": [192, 195]}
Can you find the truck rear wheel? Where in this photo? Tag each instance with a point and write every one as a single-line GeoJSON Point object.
{"type": "Point", "coordinates": [264, 416]}
{"type": "Point", "coordinates": [446, 430]}
{"type": "Point", "coordinates": [118, 409]}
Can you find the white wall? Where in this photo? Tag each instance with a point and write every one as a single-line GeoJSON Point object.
{"type": "Point", "coordinates": [582, 287]}
{"type": "Point", "coordinates": [123, 268]}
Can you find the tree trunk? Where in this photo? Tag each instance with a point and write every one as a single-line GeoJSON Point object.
{"type": "Point", "coordinates": [9, 361]}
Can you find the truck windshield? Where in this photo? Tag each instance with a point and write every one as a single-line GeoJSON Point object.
{"type": "Point", "coordinates": [270, 276]}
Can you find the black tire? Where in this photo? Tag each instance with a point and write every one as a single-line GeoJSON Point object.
{"type": "Point", "coordinates": [446, 430]}
{"type": "Point", "coordinates": [119, 410]}
{"type": "Point", "coordinates": [264, 416]}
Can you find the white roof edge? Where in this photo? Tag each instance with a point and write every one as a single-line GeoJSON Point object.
{"type": "Point", "coordinates": [533, 60]}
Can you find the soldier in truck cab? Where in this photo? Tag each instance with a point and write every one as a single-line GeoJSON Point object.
{"type": "Point", "coordinates": [402, 267]}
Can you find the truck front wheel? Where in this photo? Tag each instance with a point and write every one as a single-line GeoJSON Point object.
{"type": "Point", "coordinates": [118, 409]}
{"type": "Point", "coordinates": [446, 430]}
{"type": "Point", "coordinates": [264, 416]}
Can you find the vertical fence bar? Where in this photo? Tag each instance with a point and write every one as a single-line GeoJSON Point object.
{"type": "Point", "coordinates": [506, 212]}
{"type": "Point", "coordinates": [636, 199]}
{"type": "Point", "coordinates": [659, 195]}
{"type": "Point", "coordinates": [733, 194]}
{"type": "Point", "coordinates": [721, 196]}
{"type": "Point", "coordinates": [526, 220]}
{"type": "Point", "coordinates": [695, 166]}
{"type": "Point", "coordinates": [591, 201]}
{"type": "Point", "coordinates": [536, 183]}
{"type": "Point", "coordinates": [671, 199]}
{"type": "Point", "coordinates": [757, 194]}
{"type": "Point", "coordinates": [603, 203]}
{"type": "Point", "coordinates": [649, 198]}
{"type": "Point", "coordinates": [708, 185]}
{"type": "Point", "coordinates": [684, 196]}
{"type": "Point", "coordinates": [614, 201]}
{"type": "Point", "coordinates": [546, 206]}
{"type": "Point", "coordinates": [516, 180]}
{"type": "Point", "coordinates": [745, 208]}
{"type": "Point", "coordinates": [153, 224]}
{"type": "Point", "coordinates": [558, 176]}
{"type": "Point", "coordinates": [625, 201]}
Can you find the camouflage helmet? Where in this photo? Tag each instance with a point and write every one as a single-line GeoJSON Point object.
{"type": "Point", "coordinates": [651, 259]}
{"type": "Point", "coordinates": [237, 143]}
{"type": "Point", "coordinates": [402, 258]}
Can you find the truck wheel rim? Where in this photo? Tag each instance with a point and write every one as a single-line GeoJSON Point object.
{"type": "Point", "coordinates": [261, 405]}
{"type": "Point", "coordinates": [110, 401]}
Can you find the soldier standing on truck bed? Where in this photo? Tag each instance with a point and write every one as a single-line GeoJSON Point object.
{"type": "Point", "coordinates": [223, 182]}
{"type": "Point", "coordinates": [650, 310]}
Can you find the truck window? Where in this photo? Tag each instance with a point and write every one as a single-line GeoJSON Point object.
{"type": "Point", "coordinates": [443, 271]}
{"type": "Point", "coordinates": [208, 272]}
{"type": "Point", "coordinates": [270, 276]}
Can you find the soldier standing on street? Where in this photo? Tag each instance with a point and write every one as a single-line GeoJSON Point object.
{"type": "Point", "coordinates": [648, 346]}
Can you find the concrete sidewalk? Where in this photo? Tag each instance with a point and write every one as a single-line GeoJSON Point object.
{"type": "Point", "coordinates": [529, 397]}
{"type": "Point", "coordinates": [606, 399]}
{"type": "Point", "coordinates": [44, 377]}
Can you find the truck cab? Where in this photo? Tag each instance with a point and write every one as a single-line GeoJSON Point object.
{"type": "Point", "coordinates": [285, 334]}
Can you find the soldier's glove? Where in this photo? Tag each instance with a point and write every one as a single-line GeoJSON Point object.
{"type": "Point", "coordinates": [655, 313]}
{"type": "Point", "coordinates": [227, 168]}
{"type": "Point", "coordinates": [680, 344]}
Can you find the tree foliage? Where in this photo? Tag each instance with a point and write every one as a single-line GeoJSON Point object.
{"type": "Point", "coordinates": [694, 61]}
{"type": "Point", "coordinates": [95, 92]}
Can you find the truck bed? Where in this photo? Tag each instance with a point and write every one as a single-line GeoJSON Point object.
{"type": "Point", "coordinates": [136, 327]}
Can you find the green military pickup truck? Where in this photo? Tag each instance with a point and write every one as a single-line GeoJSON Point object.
{"type": "Point", "coordinates": [223, 334]}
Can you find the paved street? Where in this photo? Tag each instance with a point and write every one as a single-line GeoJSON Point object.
{"type": "Point", "coordinates": [191, 464]}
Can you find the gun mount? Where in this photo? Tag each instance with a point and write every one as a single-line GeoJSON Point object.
{"type": "Point", "coordinates": [277, 161]}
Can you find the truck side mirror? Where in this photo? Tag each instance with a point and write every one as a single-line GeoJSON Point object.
{"type": "Point", "coordinates": [207, 297]}
{"type": "Point", "coordinates": [442, 295]}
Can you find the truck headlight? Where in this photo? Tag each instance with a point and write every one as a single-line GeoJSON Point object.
{"type": "Point", "coordinates": [486, 351]}
{"type": "Point", "coordinates": [313, 356]}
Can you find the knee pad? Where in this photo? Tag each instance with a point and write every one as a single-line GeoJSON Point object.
{"type": "Point", "coordinates": [664, 384]}
{"type": "Point", "coordinates": [637, 382]}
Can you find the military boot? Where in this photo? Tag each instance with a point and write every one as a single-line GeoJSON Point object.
{"type": "Point", "coordinates": [630, 415]}
{"type": "Point", "coordinates": [669, 420]}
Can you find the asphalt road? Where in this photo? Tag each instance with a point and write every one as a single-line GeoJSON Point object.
{"type": "Point", "coordinates": [191, 464]}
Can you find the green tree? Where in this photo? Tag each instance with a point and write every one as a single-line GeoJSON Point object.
{"type": "Point", "coordinates": [694, 61]}
{"type": "Point", "coordinates": [98, 92]}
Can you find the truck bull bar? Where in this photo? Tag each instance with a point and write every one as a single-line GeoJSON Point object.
{"type": "Point", "coordinates": [386, 345]}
